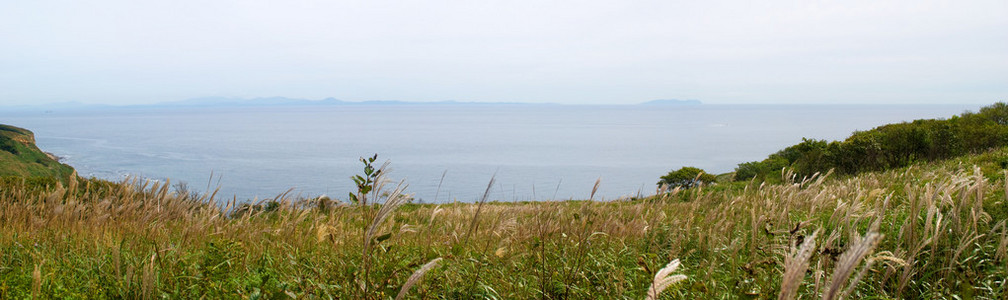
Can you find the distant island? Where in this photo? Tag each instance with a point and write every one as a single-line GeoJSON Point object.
{"type": "Point", "coordinates": [673, 102]}
{"type": "Point", "coordinates": [285, 101]}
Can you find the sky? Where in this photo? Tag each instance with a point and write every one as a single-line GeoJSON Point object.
{"type": "Point", "coordinates": [574, 52]}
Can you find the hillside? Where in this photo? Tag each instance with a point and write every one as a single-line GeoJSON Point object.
{"type": "Point", "coordinates": [20, 157]}
{"type": "Point", "coordinates": [889, 146]}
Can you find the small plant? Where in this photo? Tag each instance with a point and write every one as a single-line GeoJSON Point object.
{"type": "Point", "coordinates": [371, 185]}
{"type": "Point", "coordinates": [366, 183]}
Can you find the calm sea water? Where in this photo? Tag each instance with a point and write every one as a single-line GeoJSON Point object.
{"type": "Point", "coordinates": [535, 152]}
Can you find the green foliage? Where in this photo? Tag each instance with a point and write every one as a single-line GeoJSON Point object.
{"type": "Point", "coordinates": [760, 169]}
{"type": "Point", "coordinates": [9, 146]}
{"type": "Point", "coordinates": [889, 146]}
{"type": "Point", "coordinates": [28, 183]}
{"type": "Point", "coordinates": [365, 184]}
{"type": "Point", "coordinates": [686, 177]}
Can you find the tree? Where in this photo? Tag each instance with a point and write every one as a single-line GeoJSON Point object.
{"type": "Point", "coordinates": [686, 177]}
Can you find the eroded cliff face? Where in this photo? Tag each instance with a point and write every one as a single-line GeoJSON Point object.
{"type": "Point", "coordinates": [21, 135]}
{"type": "Point", "coordinates": [27, 140]}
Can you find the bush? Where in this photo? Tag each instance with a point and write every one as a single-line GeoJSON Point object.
{"type": "Point", "coordinates": [760, 169]}
{"type": "Point", "coordinates": [8, 146]}
{"type": "Point", "coordinates": [748, 170]}
{"type": "Point", "coordinates": [686, 177]}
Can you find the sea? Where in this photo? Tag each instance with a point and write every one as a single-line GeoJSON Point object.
{"type": "Point", "coordinates": [440, 152]}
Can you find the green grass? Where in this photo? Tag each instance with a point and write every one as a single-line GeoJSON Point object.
{"type": "Point", "coordinates": [19, 157]}
{"type": "Point", "coordinates": [92, 238]}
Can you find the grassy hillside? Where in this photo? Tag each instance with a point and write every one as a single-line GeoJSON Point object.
{"type": "Point", "coordinates": [20, 157]}
{"type": "Point", "coordinates": [930, 230]}
{"type": "Point", "coordinates": [889, 146]}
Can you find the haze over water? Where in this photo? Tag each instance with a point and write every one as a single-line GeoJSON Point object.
{"type": "Point", "coordinates": [536, 152]}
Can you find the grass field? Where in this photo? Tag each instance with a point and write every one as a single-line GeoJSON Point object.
{"type": "Point", "coordinates": [932, 230]}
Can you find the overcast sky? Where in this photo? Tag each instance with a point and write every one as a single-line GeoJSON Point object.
{"type": "Point", "coordinates": [587, 52]}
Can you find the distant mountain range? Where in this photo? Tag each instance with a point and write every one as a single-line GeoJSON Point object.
{"type": "Point", "coordinates": [277, 101]}
{"type": "Point", "coordinates": [270, 101]}
{"type": "Point", "coordinates": [673, 102]}
{"type": "Point", "coordinates": [284, 101]}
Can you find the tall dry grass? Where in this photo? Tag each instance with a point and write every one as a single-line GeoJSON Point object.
{"type": "Point", "coordinates": [929, 231]}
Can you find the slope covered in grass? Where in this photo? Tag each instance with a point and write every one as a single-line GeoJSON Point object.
{"type": "Point", "coordinates": [934, 230]}
{"type": "Point", "coordinates": [889, 146]}
{"type": "Point", "coordinates": [21, 158]}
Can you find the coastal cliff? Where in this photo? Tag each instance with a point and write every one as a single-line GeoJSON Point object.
{"type": "Point", "coordinates": [20, 157]}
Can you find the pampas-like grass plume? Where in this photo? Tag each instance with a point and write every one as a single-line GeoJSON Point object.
{"type": "Point", "coordinates": [147, 286]}
{"type": "Point", "coordinates": [795, 265]}
{"type": "Point", "coordinates": [662, 279]}
{"type": "Point", "coordinates": [847, 262]}
{"type": "Point", "coordinates": [415, 278]}
{"type": "Point", "coordinates": [394, 200]}
{"type": "Point", "coordinates": [37, 281]}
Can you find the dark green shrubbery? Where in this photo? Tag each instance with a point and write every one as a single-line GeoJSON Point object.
{"type": "Point", "coordinates": [686, 177]}
{"type": "Point", "coordinates": [8, 146]}
{"type": "Point", "coordinates": [760, 169]}
{"type": "Point", "coordinates": [889, 146]}
{"type": "Point", "coordinates": [35, 184]}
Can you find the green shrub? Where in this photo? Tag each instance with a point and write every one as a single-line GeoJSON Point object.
{"type": "Point", "coordinates": [760, 169]}
{"type": "Point", "coordinates": [686, 177]}
{"type": "Point", "coordinates": [748, 170]}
